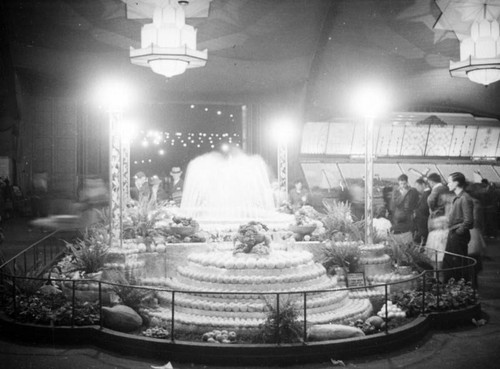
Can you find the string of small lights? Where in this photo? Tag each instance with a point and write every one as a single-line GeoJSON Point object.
{"type": "Point", "coordinates": [160, 141]}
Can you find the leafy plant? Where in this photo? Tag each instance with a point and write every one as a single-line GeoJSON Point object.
{"type": "Point", "coordinates": [282, 326]}
{"type": "Point", "coordinates": [343, 254]}
{"type": "Point", "coordinates": [142, 217]}
{"type": "Point", "coordinates": [339, 225]}
{"type": "Point", "coordinates": [452, 296]}
{"type": "Point", "coordinates": [89, 253]}
{"type": "Point", "coordinates": [408, 253]}
{"type": "Point", "coordinates": [53, 309]}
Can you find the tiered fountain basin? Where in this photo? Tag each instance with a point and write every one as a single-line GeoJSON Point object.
{"type": "Point", "coordinates": [219, 289]}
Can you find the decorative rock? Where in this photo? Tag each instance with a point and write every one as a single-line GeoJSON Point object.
{"type": "Point", "coordinates": [325, 332]}
{"type": "Point", "coordinates": [49, 289]}
{"type": "Point", "coordinates": [121, 318]}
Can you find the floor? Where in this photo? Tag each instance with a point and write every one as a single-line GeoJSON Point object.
{"type": "Point", "coordinates": [466, 347]}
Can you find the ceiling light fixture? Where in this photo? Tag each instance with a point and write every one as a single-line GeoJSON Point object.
{"type": "Point", "coordinates": [480, 53]}
{"type": "Point", "coordinates": [168, 45]}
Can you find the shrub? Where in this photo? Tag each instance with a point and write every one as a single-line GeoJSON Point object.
{"type": "Point", "coordinates": [341, 254]}
{"type": "Point", "coordinates": [89, 253]}
{"type": "Point", "coordinates": [283, 324]}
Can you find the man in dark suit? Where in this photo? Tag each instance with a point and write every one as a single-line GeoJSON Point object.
{"type": "Point", "coordinates": [403, 204]}
{"type": "Point", "coordinates": [421, 230]}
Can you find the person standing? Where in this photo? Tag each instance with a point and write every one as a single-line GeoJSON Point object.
{"type": "Point", "coordinates": [403, 203]}
{"type": "Point", "coordinates": [461, 221]}
{"type": "Point", "coordinates": [175, 185]}
{"type": "Point", "coordinates": [141, 189]}
{"type": "Point", "coordinates": [298, 195]}
{"type": "Point", "coordinates": [436, 199]}
{"type": "Point", "coordinates": [421, 229]}
{"type": "Point", "coordinates": [157, 193]}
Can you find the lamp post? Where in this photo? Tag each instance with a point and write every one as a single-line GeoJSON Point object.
{"type": "Point", "coordinates": [282, 131]}
{"type": "Point", "coordinates": [372, 102]}
{"type": "Point", "coordinates": [114, 96]}
{"type": "Point", "coordinates": [368, 179]}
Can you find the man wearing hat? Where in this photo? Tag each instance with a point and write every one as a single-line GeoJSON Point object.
{"type": "Point", "coordinates": [175, 185]}
{"type": "Point", "coordinates": [140, 188]}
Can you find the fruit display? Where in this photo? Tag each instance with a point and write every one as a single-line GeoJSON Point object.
{"type": "Point", "coordinates": [373, 324]}
{"type": "Point", "coordinates": [393, 311]}
{"type": "Point", "coordinates": [184, 222]}
{"type": "Point", "coordinates": [219, 336]}
{"type": "Point", "coordinates": [156, 332]}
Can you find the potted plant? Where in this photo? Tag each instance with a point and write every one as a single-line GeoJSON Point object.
{"type": "Point", "coordinates": [343, 254]}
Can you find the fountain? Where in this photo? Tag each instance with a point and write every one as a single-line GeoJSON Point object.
{"type": "Point", "coordinates": [216, 285]}
{"type": "Point", "coordinates": [223, 191]}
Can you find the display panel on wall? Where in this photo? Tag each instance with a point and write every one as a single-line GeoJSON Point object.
{"type": "Point", "coordinates": [354, 172]}
{"type": "Point", "coordinates": [314, 138]}
{"type": "Point", "coordinates": [340, 138]}
{"type": "Point", "coordinates": [413, 134]}
{"type": "Point", "coordinates": [473, 173]}
{"type": "Point", "coordinates": [486, 142]}
{"type": "Point", "coordinates": [322, 175]}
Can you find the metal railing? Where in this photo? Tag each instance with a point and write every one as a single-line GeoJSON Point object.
{"type": "Point", "coordinates": [10, 283]}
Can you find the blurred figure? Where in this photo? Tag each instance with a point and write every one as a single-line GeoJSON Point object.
{"type": "Point", "coordinates": [39, 196]}
{"type": "Point", "coordinates": [175, 185]}
{"type": "Point", "coordinates": [279, 196]}
{"type": "Point", "coordinates": [404, 201]}
{"type": "Point", "coordinates": [92, 198]}
{"type": "Point", "coordinates": [489, 202]}
{"type": "Point", "coordinates": [381, 224]}
{"type": "Point", "coordinates": [437, 199]}
{"type": "Point", "coordinates": [298, 195]}
{"type": "Point", "coordinates": [357, 199]}
{"type": "Point", "coordinates": [421, 229]}
{"type": "Point", "coordinates": [157, 193]}
{"type": "Point", "coordinates": [140, 189]}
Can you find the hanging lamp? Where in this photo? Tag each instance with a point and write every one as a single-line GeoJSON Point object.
{"type": "Point", "coordinates": [168, 45]}
{"type": "Point", "coordinates": [480, 53]}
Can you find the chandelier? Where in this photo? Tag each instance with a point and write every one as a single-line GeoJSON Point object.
{"type": "Point", "coordinates": [168, 45]}
{"type": "Point", "coordinates": [480, 53]}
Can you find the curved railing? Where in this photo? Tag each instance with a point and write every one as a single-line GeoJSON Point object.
{"type": "Point", "coordinates": [42, 252]}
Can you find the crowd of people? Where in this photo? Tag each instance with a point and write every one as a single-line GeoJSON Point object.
{"type": "Point", "coordinates": [453, 217]}
{"type": "Point", "coordinates": [158, 189]}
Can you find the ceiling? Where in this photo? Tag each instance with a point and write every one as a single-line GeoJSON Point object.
{"type": "Point", "coordinates": [289, 51]}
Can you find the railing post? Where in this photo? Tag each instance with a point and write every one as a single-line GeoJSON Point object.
{"type": "Point", "coordinates": [44, 253]}
{"type": "Point", "coordinates": [305, 317]}
{"type": "Point", "coordinates": [386, 309]}
{"type": "Point", "coordinates": [1, 286]}
{"type": "Point", "coordinates": [423, 292]}
{"type": "Point", "coordinates": [25, 264]}
{"type": "Point", "coordinates": [278, 338]}
{"type": "Point", "coordinates": [173, 317]}
{"type": "Point", "coordinates": [100, 303]}
{"type": "Point", "coordinates": [14, 303]}
{"type": "Point", "coordinates": [73, 304]}
{"type": "Point", "coordinates": [438, 292]}
{"type": "Point", "coordinates": [436, 262]}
